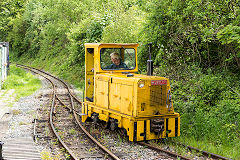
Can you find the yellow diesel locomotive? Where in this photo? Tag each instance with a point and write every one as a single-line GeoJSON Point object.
{"type": "Point", "coordinates": [117, 96]}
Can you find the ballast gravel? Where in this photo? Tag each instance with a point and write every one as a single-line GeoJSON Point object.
{"type": "Point", "coordinates": [23, 113]}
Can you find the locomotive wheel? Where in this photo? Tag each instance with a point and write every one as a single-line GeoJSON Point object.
{"type": "Point", "coordinates": [114, 124]}
{"type": "Point", "coordinates": [95, 118]}
{"type": "Point", "coordinates": [105, 125]}
{"type": "Point", "coordinates": [122, 132]}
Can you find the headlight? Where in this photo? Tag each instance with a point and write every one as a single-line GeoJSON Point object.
{"type": "Point", "coordinates": [141, 84]}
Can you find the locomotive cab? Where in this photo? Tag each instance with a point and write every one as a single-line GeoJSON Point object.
{"type": "Point", "coordinates": [116, 95]}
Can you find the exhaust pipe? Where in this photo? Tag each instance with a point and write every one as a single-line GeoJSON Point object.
{"type": "Point", "coordinates": [150, 62]}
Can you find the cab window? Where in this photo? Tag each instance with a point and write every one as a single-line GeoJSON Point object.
{"type": "Point", "coordinates": [118, 58]}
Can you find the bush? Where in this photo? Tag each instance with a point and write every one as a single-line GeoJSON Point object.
{"type": "Point", "coordinates": [202, 33]}
{"type": "Point", "coordinates": [209, 108]}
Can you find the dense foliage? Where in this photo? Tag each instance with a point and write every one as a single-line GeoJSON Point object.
{"type": "Point", "coordinates": [211, 107]}
{"type": "Point", "coordinates": [53, 29]}
{"type": "Point", "coordinates": [204, 33]}
{"type": "Point", "coordinates": [193, 42]}
{"type": "Point", "coordinates": [9, 9]}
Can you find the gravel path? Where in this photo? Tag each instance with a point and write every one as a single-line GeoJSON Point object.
{"type": "Point", "coordinates": [17, 118]}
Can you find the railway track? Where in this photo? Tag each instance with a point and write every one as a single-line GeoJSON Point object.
{"type": "Point", "coordinates": [61, 94]}
{"type": "Point", "coordinates": [64, 104]}
{"type": "Point", "coordinates": [205, 154]}
{"type": "Point", "coordinates": [172, 154]}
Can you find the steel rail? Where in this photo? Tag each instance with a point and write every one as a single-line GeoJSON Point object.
{"type": "Point", "coordinates": [62, 103]}
{"type": "Point", "coordinates": [83, 129]}
{"type": "Point", "coordinates": [90, 136]}
{"type": "Point", "coordinates": [86, 132]}
{"type": "Point", "coordinates": [142, 143]}
{"type": "Point", "coordinates": [53, 128]}
{"type": "Point", "coordinates": [205, 153]}
{"type": "Point", "coordinates": [76, 117]}
{"type": "Point", "coordinates": [162, 150]}
{"type": "Point", "coordinates": [51, 111]}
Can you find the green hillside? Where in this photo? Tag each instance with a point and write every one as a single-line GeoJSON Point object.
{"type": "Point", "coordinates": [196, 44]}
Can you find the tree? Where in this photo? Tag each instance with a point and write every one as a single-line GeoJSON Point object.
{"type": "Point", "coordinates": [204, 33]}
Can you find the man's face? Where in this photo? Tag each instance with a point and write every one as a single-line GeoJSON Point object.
{"type": "Point", "coordinates": [116, 61]}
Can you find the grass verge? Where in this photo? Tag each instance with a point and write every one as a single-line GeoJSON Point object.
{"type": "Point", "coordinates": [22, 82]}
{"type": "Point", "coordinates": [229, 151]}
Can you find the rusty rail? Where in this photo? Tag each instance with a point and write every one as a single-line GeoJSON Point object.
{"type": "Point", "coordinates": [51, 112]}
{"type": "Point", "coordinates": [205, 153]}
{"type": "Point", "coordinates": [74, 112]}
{"type": "Point", "coordinates": [162, 150]}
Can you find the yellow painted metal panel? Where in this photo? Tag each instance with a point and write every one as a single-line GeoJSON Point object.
{"type": "Point", "coordinates": [178, 132]}
{"type": "Point", "coordinates": [171, 127]}
{"type": "Point", "coordinates": [134, 101]}
{"type": "Point", "coordinates": [102, 93]}
{"type": "Point", "coordinates": [114, 96]}
{"type": "Point", "coordinates": [125, 123]}
{"type": "Point", "coordinates": [104, 117]}
{"type": "Point", "coordinates": [131, 131]}
{"type": "Point", "coordinates": [84, 111]}
{"type": "Point", "coordinates": [91, 45]}
{"type": "Point", "coordinates": [89, 75]}
{"type": "Point", "coordinates": [126, 99]}
{"type": "Point", "coordinates": [151, 99]}
{"type": "Point", "coordinates": [140, 130]}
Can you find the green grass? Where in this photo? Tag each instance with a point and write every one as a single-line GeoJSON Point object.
{"type": "Point", "coordinates": [46, 155]}
{"type": "Point", "coordinates": [229, 151]}
{"type": "Point", "coordinates": [56, 65]}
{"type": "Point", "coordinates": [22, 82]}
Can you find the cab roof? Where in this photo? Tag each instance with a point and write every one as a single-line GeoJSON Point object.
{"type": "Point", "coordinates": [109, 44]}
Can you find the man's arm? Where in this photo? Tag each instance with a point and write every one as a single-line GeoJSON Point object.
{"type": "Point", "coordinates": [124, 66]}
{"type": "Point", "coordinates": [109, 66]}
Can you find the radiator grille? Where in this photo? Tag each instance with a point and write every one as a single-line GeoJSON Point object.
{"type": "Point", "coordinates": [152, 100]}
{"type": "Point", "coordinates": [158, 95]}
